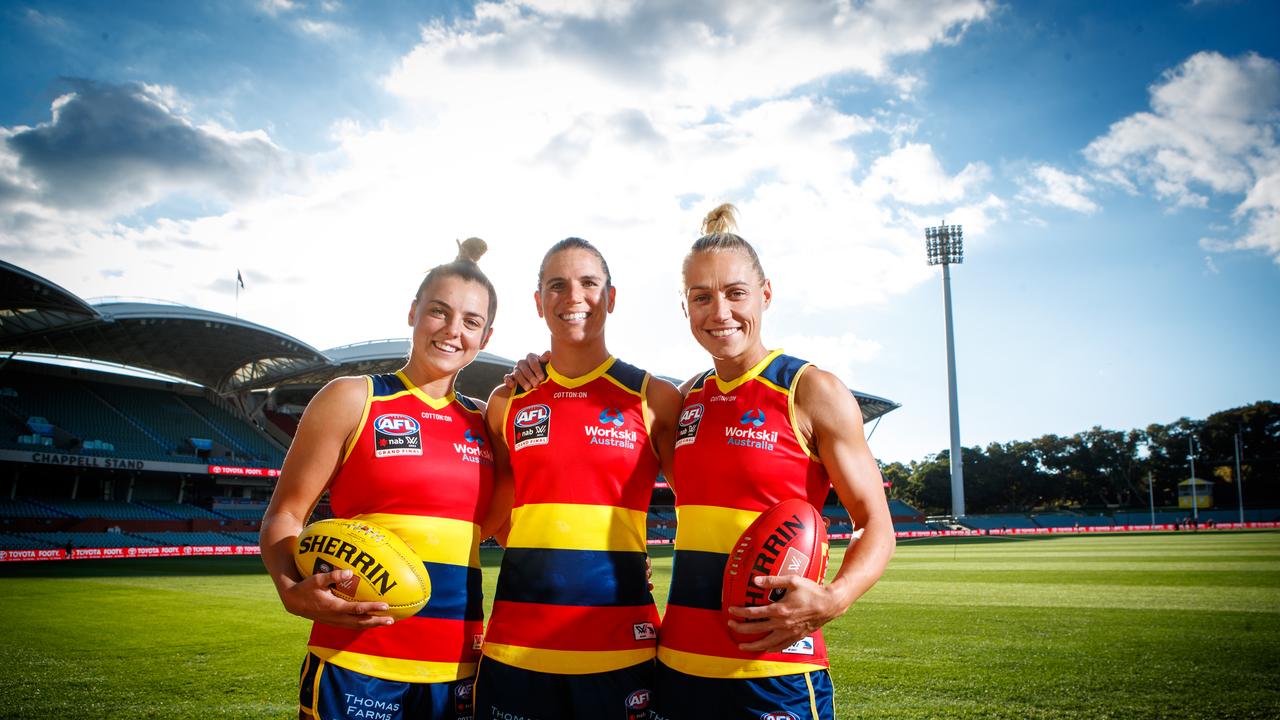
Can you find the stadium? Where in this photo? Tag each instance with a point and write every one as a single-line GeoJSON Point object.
{"type": "Point", "coordinates": [141, 439]}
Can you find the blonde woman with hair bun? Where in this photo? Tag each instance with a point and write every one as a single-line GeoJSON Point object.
{"type": "Point", "coordinates": [813, 441]}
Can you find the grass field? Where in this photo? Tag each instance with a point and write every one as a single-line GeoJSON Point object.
{"type": "Point", "coordinates": [1135, 626]}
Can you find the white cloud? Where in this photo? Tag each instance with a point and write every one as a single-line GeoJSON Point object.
{"type": "Point", "coordinates": [320, 28]}
{"type": "Point", "coordinates": [622, 124]}
{"type": "Point", "coordinates": [1211, 130]}
{"type": "Point", "coordinates": [275, 7]}
{"type": "Point", "coordinates": [912, 174]}
{"type": "Point", "coordinates": [1048, 185]}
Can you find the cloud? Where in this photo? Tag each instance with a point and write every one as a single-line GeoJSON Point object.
{"type": "Point", "coordinates": [1048, 185]}
{"type": "Point", "coordinates": [1211, 130]}
{"type": "Point", "coordinates": [912, 174]}
{"type": "Point", "coordinates": [321, 28]}
{"type": "Point", "coordinates": [276, 7]}
{"type": "Point", "coordinates": [114, 148]}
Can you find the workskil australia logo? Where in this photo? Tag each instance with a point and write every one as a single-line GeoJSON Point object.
{"type": "Point", "coordinates": [473, 449]}
{"type": "Point", "coordinates": [749, 433]}
{"type": "Point", "coordinates": [609, 430]}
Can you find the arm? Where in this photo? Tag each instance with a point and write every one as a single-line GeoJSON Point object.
{"type": "Point", "coordinates": [497, 520]}
{"type": "Point", "coordinates": [313, 460]}
{"type": "Point", "coordinates": [830, 419]}
{"type": "Point", "coordinates": [664, 402]}
{"type": "Point", "coordinates": [528, 373]}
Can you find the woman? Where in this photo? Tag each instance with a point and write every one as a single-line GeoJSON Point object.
{"type": "Point", "coordinates": [815, 441]}
{"type": "Point", "coordinates": [574, 627]}
{"type": "Point", "coordinates": [427, 491]}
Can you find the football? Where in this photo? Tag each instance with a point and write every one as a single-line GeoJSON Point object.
{"type": "Point", "coordinates": [383, 566]}
{"type": "Point", "coordinates": [787, 539]}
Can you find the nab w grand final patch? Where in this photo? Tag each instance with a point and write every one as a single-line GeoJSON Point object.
{"type": "Point", "coordinates": [396, 434]}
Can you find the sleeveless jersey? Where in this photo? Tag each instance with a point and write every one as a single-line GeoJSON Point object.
{"type": "Point", "coordinates": [572, 596]}
{"type": "Point", "coordinates": [421, 467]}
{"type": "Point", "coordinates": [738, 453]}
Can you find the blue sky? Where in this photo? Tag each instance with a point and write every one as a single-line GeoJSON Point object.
{"type": "Point", "coordinates": [1116, 167]}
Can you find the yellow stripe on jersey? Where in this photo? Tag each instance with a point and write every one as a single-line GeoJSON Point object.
{"type": "Point", "coordinates": [364, 417]}
{"type": "Point", "coordinates": [415, 671]}
{"type": "Point", "coordinates": [813, 700]}
{"type": "Point", "coordinates": [434, 539]}
{"type": "Point", "coordinates": [567, 662]}
{"type": "Point", "coordinates": [717, 667]}
{"type": "Point", "coordinates": [727, 385]}
{"type": "Point", "coordinates": [435, 403]}
{"type": "Point", "coordinates": [710, 529]}
{"type": "Point", "coordinates": [570, 383]}
{"type": "Point", "coordinates": [791, 413]}
{"type": "Point", "coordinates": [563, 526]}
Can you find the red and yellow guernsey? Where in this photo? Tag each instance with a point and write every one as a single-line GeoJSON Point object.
{"type": "Point", "coordinates": [572, 595]}
{"type": "Point", "coordinates": [738, 453]}
{"type": "Point", "coordinates": [421, 467]}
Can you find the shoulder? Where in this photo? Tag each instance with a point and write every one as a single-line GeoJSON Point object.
{"type": "Point", "coordinates": [627, 375]}
{"type": "Point", "coordinates": [662, 392]}
{"type": "Point", "coordinates": [695, 382]}
{"type": "Point", "coordinates": [784, 369]}
{"type": "Point", "coordinates": [824, 397]}
{"type": "Point", "coordinates": [342, 392]}
{"type": "Point", "coordinates": [467, 402]}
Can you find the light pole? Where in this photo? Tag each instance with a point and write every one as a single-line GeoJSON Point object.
{"type": "Point", "coordinates": [1195, 496]}
{"type": "Point", "coordinates": [944, 245]}
{"type": "Point", "coordinates": [1239, 480]}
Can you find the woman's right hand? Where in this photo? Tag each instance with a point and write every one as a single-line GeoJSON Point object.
{"type": "Point", "coordinates": [310, 598]}
{"type": "Point", "coordinates": [528, 373]}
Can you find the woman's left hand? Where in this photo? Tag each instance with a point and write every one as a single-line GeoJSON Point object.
{"type": "Point", "coordinates": [806, 607]}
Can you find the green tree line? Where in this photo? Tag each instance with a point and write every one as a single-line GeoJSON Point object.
{"type": "Point", "coordinates": [1100, 468]}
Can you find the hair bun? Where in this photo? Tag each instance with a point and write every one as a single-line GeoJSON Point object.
{"type": "Point", "coordinates": [720, 220]}
{"type": "Point", "coordinates": [472, 249]}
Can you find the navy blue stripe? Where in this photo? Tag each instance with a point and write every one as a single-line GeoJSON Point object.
{"type": "Point", "coordinates": [782, 371]}
{"type": "Point", "coordinates": [456, 593]}
{"type": "Point", "coordinates": [467, 402]}
{"type": "Point", "coordinates": [702, 379]}
{"type": "Point", "coordinates": [629, 375]}
{"type": "Point", "coordinates": [388, 384]}
{"type": "Point", "coordinates": [695, 579]}
{"type": "Point", "coordinates": [596, 578]}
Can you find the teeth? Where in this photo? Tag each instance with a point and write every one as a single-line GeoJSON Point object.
{"type": "Point", "coordinates": [445, 348]}
{"type": "Point", "coordinates": [723, 333]}
{"type": "Point", "coordinates": [574, 316]}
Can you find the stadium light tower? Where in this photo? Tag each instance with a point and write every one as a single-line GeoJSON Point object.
{"type": "Point", "coordinates": [944, 245]}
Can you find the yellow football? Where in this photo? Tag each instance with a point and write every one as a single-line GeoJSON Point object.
{"type": "Point", "coordinates": [383, 567]}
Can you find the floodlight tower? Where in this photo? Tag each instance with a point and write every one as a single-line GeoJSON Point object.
{"type": "Point", "coordinates": [944, 245]}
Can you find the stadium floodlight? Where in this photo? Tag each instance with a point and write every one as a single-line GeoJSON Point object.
{"type": "Point", "coordinates": [1195, 496]}
{"type": "Point", "coordinates": [1239, 479]}
{"type": "Point", "coordinates": [943, 246]}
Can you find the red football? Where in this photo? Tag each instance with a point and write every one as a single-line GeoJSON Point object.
{"type": "Point", "coordinates": [787, 539]}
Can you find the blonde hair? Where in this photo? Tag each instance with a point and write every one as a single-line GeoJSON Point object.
{"type": "Point", "coordinates": [717, 236]}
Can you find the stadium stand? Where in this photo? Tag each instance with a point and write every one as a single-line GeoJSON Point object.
{"type": "Point", "coordinates": [1007, 521]}
{"type": "Point", "coordinates": [1069, 520]}
{"type": "Point", "coordinates": [183, 511]}
{"type": "Point", "coordinates": [90, 540]}
{"type": "Point", "coordinates": [194, 538]}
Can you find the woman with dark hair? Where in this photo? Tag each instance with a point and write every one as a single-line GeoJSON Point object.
{"type": "Point", "coordinates": [433, 495]}
{"type": "Point", "coordinates": [815, 442]}
{"type": "Point", "coordinates": [573, 631]}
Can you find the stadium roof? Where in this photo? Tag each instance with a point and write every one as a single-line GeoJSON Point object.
{"type": "Point", "coordinates": [223, 353]}
{"type": "Point", "coordinates": [32, 306]}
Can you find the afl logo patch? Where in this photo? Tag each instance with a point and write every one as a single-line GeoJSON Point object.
{"type": "Point", "coordinates": [638, 705]}
{"type": "Point", "coordinates": [396, 434]}
{"type": "Point", "coordinates": [532, 426]}
{"type": "Point", "coordinates": [779, 715]}
{"type": "Point", "coordinates": [687, 430]}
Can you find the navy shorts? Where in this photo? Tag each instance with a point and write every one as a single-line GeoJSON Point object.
{"type": "Point", "coordinates": [803, 696]}
{"type": "Point", "coordinates": [329, 692]}
{"type": "Point", "coordinates": [504, 692]}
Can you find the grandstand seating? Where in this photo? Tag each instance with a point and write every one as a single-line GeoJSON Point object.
{"type": "Point", "coordinates": [107, 509]}
{"type": "Point", "coordinates": [23, 509]}
{"type": "Point", "coordinates": [247, 538]}
{"type": "Point", "coordinates": [193, 538]}
{"type": "Point", "coordinates": [249, 512]}
{"type": "Point", "coordinates": [248, 443]}
{"type": "Point", "coordinates": [182, 510]}
{"type": "Point", "coordinates": [89, 540]}
{"type": "Point", "coordinates": [997, 522]}
{"type": "Point", "coordinates": [12, 541]}
{"type": "Point", "coordinates": [1070, 520]}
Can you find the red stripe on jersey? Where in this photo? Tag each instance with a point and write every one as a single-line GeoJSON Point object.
{"type": "Point", "coordinates": [413, 638]}
{"type": "Point", "coordinates": [573, 627]}
{"type": "Point", "coordinates": [706, 632]}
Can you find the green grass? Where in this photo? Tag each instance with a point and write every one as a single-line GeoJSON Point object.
{"type": "Point", "coordinates": [1134, 626]}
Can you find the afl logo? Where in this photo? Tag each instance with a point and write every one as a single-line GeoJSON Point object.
{"type": "Point", "coordinates": [638, 700]}
{"type": "Point", "coordinates": [396, 425]}
{"type": "Point", "coordinates": [533, 415]}
{"type": "Point", "coordinates": [691, 415]}
{"type": "Point", "coordinates": [687, 430]}
{"type": "Point", "coordinates": [780, 715]}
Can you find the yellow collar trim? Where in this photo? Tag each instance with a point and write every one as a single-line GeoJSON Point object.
{"type": "Point", "coordinates": [435, 403]}
{"type": "Point", "coordinates": [728, 385]}
{"type": "Point", "coordinates": [569, 382]}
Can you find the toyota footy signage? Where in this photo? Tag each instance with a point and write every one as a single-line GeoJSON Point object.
{"type": "Point", "coordinates": [243, 471]}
